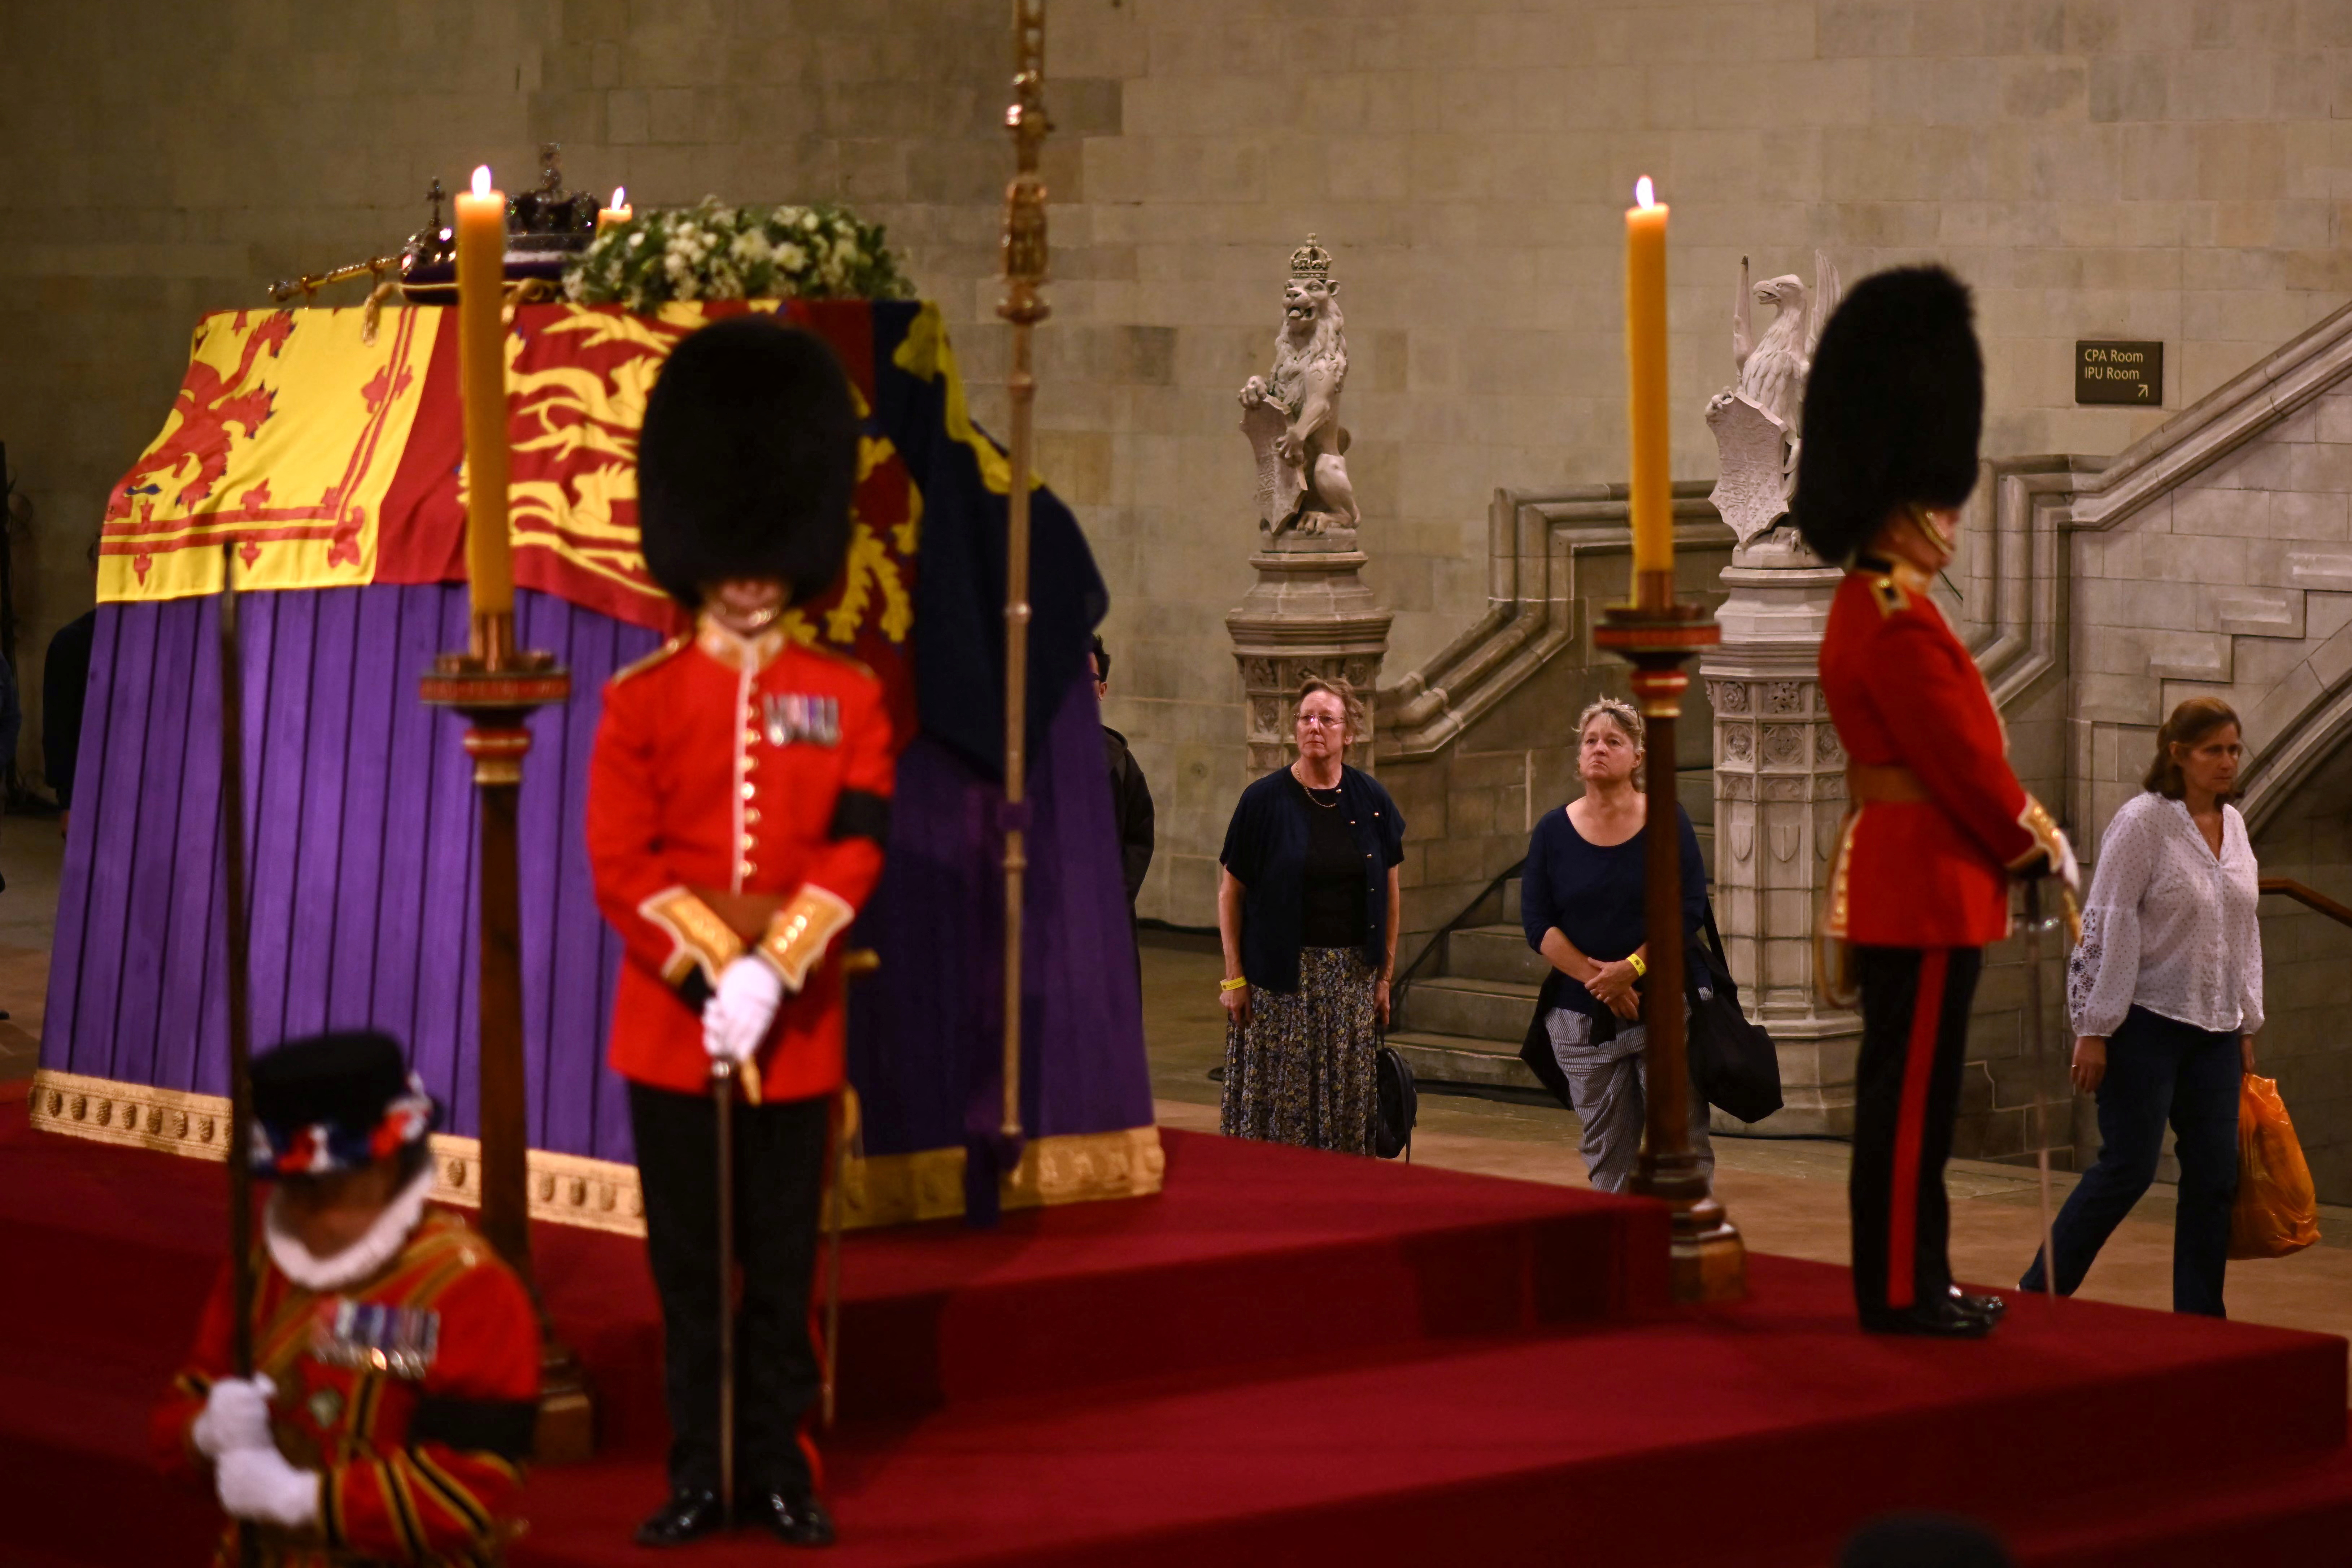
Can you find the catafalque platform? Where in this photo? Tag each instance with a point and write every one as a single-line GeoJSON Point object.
{"type": "Point", "coordinates": [1284, 1358]}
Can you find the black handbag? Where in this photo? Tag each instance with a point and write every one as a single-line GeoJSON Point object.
{"type": "Point", "coordinates": [1396, 1106]}
{"type": "Point", "coordinates": [1733, 1063]}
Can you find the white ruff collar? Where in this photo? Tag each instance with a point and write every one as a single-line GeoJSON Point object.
{"type": "Point", "coordinates": [378, 1245]}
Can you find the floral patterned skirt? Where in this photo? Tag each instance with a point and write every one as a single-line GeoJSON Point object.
{"type": "Point", "coordinates": [1303, 1070]}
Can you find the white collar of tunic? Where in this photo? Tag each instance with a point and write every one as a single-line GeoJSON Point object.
{"type": "Point", "coordinates": [377, 1245]}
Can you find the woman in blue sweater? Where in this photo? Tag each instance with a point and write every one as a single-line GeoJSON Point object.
{"type": "Point", "coordinates": [1582, 901]}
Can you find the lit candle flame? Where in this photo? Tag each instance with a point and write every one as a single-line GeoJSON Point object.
{"type": "Point", "coordinates": [620, 198]}
{"type": "Point", "coordinates": [482, 179]}
{"type": "Point", "coordinates": [1645, 195]}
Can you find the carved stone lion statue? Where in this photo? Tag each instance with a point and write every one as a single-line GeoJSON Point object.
{"type": "Point", "coordinates": [1291, 413]}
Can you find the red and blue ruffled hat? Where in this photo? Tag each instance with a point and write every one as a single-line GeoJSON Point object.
{"type": "Point", "coordinates": [337, 1102]}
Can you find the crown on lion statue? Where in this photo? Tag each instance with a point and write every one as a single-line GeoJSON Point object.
{"type": "Point", "coordinates": [1311, 260]}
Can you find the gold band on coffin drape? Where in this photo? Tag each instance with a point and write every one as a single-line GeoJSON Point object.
{"type": "Point", "coordinates": [604, 1194]}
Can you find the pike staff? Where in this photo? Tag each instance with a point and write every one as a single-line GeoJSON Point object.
{"type": "Point", "coordinates": [240, 1026]}
{"type": "Point", "coordinates": [1024, 306]}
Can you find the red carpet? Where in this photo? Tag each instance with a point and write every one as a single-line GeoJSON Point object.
{"type": "Point", "coordinates": [1285, 1358]}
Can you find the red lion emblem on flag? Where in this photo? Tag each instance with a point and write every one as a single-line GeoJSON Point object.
{"type": "Point", "coordinates": [211, 412]}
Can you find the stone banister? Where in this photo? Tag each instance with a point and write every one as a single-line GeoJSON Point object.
{"type": "Point", "coordinates": [1532, 615]}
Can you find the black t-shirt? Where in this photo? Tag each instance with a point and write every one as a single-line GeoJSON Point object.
{"type": "Point", "coordinates": [1333, 888]}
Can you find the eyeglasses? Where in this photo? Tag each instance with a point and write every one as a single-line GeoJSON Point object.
{"type": "Point", "coordinates": [1318, 721]}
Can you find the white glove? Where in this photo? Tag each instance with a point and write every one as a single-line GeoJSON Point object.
{"type": "Point", "coordinates": [259, 1484]}
{"type": "Point", "coordinates": [235, 1415]}
{"type": "Point", "coordinates": [2070, 871]}
{"type": "Point", "coordinates": [737, 1016]}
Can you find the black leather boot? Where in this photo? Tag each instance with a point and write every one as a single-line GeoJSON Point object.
{"type": "Point", "coordinates": [691, 1513]}
{"type": "Point", "coordinates": [1989, 1308]}
{"type": "Point", "coordinates": [794, 1515]}
{"type": "Point", "coordinates": [1941, 1319]}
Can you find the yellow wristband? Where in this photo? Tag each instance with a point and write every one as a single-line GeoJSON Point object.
{"type": "Point", "coordinates": [1230, 984]}
{"type": "Point", "coordinates": [1640, 966]}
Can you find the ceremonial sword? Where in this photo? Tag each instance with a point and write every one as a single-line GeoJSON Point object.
{"type": "Point", "coordinates": [722, 1095]}
{"type": "Point", "coordinates": [2035, 924]}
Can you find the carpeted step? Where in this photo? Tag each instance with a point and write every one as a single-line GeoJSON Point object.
{"type": "Point", "coordinates": [2289, 1513]}
{"type": "Point", "coordinates": [1759, 1434]}
{"type": "Point", "coordinates": [1287, 1357]}
{"type": "Point", "coordinates": [1253, 1253]}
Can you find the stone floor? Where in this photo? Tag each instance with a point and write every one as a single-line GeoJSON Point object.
{"type": "Point", "coordinates": [1786, 1195]}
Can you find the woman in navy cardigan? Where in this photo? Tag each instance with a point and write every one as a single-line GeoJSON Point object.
{"type": "Point", "coordinates": [1308, 907]}
{"type": "Point", "coordinates": [1582, 901]}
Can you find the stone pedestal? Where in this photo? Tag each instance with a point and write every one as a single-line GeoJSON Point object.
{"type": "Point", "coordinates": [1310, 612]}
{"type": "Point", "coordinates": [1780, 794]}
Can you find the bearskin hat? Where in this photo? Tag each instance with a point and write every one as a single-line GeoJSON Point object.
{"type": "Point", "coordinates": [336, 1102]}
{"type": "Point", "coordinates": [1892, 409]}
{"type": "Point", "coordinates": [747, 461]}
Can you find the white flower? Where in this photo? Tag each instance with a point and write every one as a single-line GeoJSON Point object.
{"type": "Point", "coordinates": [751, 246]}
{"type": "Point", "coordinates": [637, 239]}
{"type": "Point", "coordinates": [808, 222]}
{"type": "Point", "coordinates": [791, 257]}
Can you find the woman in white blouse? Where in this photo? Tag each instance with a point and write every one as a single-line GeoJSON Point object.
{"type": "Point", "coordinates": [2166, 991]}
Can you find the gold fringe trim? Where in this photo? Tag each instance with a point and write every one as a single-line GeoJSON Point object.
{"type": "Point", "coordinates": [604, 1194]}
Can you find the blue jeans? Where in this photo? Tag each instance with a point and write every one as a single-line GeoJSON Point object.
{"type": "Point", "coordinates": [2158, 1068]}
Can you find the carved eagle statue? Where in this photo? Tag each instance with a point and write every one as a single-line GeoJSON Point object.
{"type": "Point", "coordinates": [1754, 420]}
{"type": "Point", "coordinates": [1772, 373]}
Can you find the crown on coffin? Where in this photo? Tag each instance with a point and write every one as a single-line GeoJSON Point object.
{"type": "Point", "coordinates": [1311, 260]}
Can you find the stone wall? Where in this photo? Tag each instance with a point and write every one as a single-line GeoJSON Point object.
{"type": "Point", "coordinates": [2306, 1043]}
{"type": "Point", "coordinates": [2098, 168]}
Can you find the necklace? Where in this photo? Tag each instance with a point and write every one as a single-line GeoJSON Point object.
{"type": "Point", "coordinates": [1313, 794]}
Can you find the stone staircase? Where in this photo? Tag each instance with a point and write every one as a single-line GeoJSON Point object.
{"type": "Point", "coordinates": [1462, 1019]}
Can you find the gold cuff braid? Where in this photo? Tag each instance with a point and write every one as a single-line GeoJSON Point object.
{"type": "Point", "coordinates": [800, 931]}
{"type": "Point", "coordinates": [2035, 818]}
{"type": "Point", "coordinates": [702, 939]}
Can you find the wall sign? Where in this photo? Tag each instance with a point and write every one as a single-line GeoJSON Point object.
{"type": "Point", "coordinates": [2120, 373]}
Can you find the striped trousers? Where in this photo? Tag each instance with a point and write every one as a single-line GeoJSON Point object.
{"type": "Point", "coordinates": [1915, 1031]}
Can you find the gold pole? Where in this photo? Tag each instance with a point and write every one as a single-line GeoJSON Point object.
{"type": "Point", "coordinates": [1023, 307]}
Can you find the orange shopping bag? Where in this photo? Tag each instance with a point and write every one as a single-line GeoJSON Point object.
{"type": "Point", "coordinates": [2277, 1212]}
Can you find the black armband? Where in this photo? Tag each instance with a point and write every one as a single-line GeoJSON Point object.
{"type": "Point", "coordinates": [859, 814]}
{"type": "Point", "coordinates": [502, 1426]}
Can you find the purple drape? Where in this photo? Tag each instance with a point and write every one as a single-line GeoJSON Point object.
{"type": "Point", "coordinates": [362, 839]}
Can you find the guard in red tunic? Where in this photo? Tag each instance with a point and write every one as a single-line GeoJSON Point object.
{"type": "Point", "coordinates": [737, 801]}
{"type": "Point", "coordinates": [1937, 824]}
{"type": "Point", "coordinates": [395, 1378]}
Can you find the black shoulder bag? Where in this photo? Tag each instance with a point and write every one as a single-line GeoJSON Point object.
{"type": "Point", "coordinates": [1733, 1063]}
{"type": "Point", "coordinates": [1397, 1105]}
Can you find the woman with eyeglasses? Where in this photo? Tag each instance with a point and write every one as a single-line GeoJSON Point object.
{"type": "Point", "coordinates": [1307, 907]}
{"type": "Point", "coordinates": [2165, 991]}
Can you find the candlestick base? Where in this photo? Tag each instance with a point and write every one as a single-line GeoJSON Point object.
{"type": "Point", "coordinates": [497, 687]}
{"type": "Point", "coordinates": [1707, 1261]}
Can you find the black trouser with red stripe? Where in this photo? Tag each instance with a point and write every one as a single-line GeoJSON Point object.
{"type": "Point", "coordinates": [1914, 1032]}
